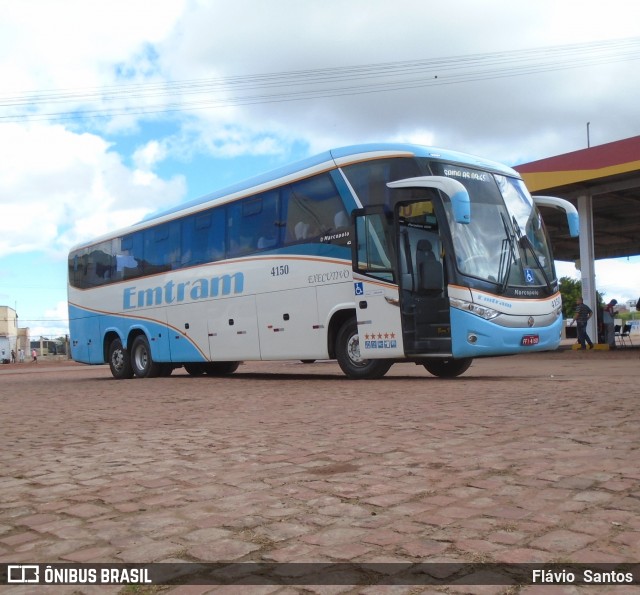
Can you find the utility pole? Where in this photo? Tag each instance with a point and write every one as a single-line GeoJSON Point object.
{"type": "Point", "coordinates": [588, 138]}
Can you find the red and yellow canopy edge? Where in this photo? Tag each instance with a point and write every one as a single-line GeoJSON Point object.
{"type": "Point", "coordinates": [619, 157]}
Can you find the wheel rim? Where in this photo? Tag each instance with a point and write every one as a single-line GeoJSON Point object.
{"type": "Point", "coordinates": [141, 357]}
{"type": "Point", "coordinates": [117, 360]}
{"type": "Point", "coordinates": [353, 351]}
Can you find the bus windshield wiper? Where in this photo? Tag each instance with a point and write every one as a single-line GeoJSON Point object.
{"type": "Point", "coordinates": [507, 256]}
{"type": "Point", "coordinates": [526, 245]}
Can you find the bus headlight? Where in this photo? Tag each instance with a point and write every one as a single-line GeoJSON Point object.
{"type": "Point", "coordinates": [482, 311]}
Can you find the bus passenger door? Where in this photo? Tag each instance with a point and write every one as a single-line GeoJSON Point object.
{"type": "Point", "coordinates": [423, 294]}
{"type": "Point", "coordinates": [375, 285]}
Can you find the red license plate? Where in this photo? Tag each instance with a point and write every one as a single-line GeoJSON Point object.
{"type": "Point", "coordinates": [530, 340]}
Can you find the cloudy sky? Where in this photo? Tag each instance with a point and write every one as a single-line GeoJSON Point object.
{"type": "Point", "coordinates": [111, 110]}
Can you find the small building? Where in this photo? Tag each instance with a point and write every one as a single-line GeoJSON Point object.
{"type": "Point", "coordinates": [12, 337]}
{"type": "Point", "coordinates": [46, 347]}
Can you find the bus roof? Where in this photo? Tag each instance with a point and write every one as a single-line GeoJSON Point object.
{"type": "Point", "coordinates": [338, 157]}
{"type": "Point", "coordinates": [312, 165]}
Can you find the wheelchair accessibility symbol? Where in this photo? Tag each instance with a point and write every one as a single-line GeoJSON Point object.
{"type": "Point", "coordinates": [528, 276]}
{"type": "Point", "coordinates": [359, 288]}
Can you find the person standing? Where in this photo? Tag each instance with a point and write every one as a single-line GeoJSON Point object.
{"type": "Point", "coordinates": [34, 355]}
{"type": "Point", "coordinates": [608, 319]}
{"type": "Point", "coordinates": [581, 317]}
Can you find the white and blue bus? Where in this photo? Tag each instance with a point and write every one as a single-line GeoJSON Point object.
{"type": "Point", "coordinates": [370, 255]}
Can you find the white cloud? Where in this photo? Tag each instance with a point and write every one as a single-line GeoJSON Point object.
{"type": "Point", "coordinates": [149, 155]}
{"type": "Point", "coordinates": [513, 118]}
{"type": "Point", "coordinates": [509, 119]}
{"type": "Point", "coordinates": [54, 323]}
{"type": "Point", "coordinates": [75, 43]}
{"type": "Point", "coordinates": [615, 278]}
{"type": "Point", "coordinates": [60, 187]}
{"type": "Point", "coordinates": [226, 140]}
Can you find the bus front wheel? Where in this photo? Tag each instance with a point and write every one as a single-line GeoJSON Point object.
{"type": "Point", "coordinates": [141, 360]}
{"type": "Point", "coordinates": [119, 361]}
{"type": "Point", "coordinates": [349, 358]}
{"type": "Point", "coordinates": [221, 368]}
{"type": "Point", "coordinates": [166, 370]}
{"type": "Point", "coordinates": [194, 369]}
{"type": "Point", "coordinates": [448, 368]}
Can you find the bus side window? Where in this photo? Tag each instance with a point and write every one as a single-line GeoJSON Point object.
{"type": "Point", "coordinates": [268, 224]}
{"type": "Point", "coordinates": [73, 271]}
{"type": "Point", "coordinates": [203, 237]}
{"type": "Point", "coordinates": [128, 256]}
{"type": "Point", "coordinates": [369, 179]}
{"type": "Point", "coordinates": [374, 248]}
{"type": "Point", "coordinates": [314, 210]}
{"type": "Point", "coordinates": [301, 222]}
{"type": "Point", "coordinates": [162, 247]}
{"type": "Point", "coordinates": [157, 249]}
{"type": "Point", "coordinates": [101, 261]}
{"type": "Point", "coordinates": [78, 269]}
{"type": "Point", "coordinates": [253, 224]}
{"type": "Point", "coordinates": [91, 267]}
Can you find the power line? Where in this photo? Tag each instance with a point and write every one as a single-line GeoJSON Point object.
{"type": "Point", "coordinates": [153, 97]}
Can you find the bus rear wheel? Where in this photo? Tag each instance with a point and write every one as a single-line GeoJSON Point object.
{"type": "Point", "coordinates": [141, 360]}
{"type": "Point", "coordinates": [119, 361]}
{"type": "Point", "coordinates": [448, 368]}
{"type": "Point", "coordinates": [349, 358]}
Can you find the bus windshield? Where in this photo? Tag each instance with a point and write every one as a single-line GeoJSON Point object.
{"type": "Point", "coordinates": [530, 229]}
{"type": "Point", "coordinates": [506, 242]}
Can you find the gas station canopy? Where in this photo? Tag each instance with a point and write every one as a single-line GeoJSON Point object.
{"type": "Point", "coordinates": [609, 177]}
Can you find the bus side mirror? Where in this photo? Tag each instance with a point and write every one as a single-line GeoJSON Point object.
{"type": "Point", "coordinates": [573, 219]}
{"type": "Point", "coordinates": [457, 193]}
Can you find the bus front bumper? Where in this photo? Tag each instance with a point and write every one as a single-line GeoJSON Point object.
{"type": "Point", "coordinates": [473, 336]}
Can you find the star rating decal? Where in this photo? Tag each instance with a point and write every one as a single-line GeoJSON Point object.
{"type": "Point", "coordinates": [373, 336]}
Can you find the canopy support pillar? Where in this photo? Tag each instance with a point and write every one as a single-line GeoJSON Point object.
{"type": "Point", "coordinates": [587, 262]}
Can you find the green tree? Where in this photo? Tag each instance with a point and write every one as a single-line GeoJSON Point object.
{"type": "Point", "coordinates": [570, 290]}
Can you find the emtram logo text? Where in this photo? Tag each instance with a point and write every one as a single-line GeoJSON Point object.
{"type": "Point", "coordinates": [174, 293]}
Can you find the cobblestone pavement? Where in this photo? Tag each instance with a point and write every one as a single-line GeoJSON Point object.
{"type": "Point", "coordinates": [523, 459]}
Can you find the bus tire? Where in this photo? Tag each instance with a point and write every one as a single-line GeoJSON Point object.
{"type": "Point", "coordinates": [119, 361]}
{"type": "Point", "coordinates": [221, 368]}
{"type": "Point", "coordinates": [348, 355]}
{"type": "Point", "coordinates": [194, 368]}
{"type": "Point", "coordinates": [141, 360]}
{"type": "Point", "coordinates": [448, 368]}
{"type": "Point", "coordinates": [166, 370]}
